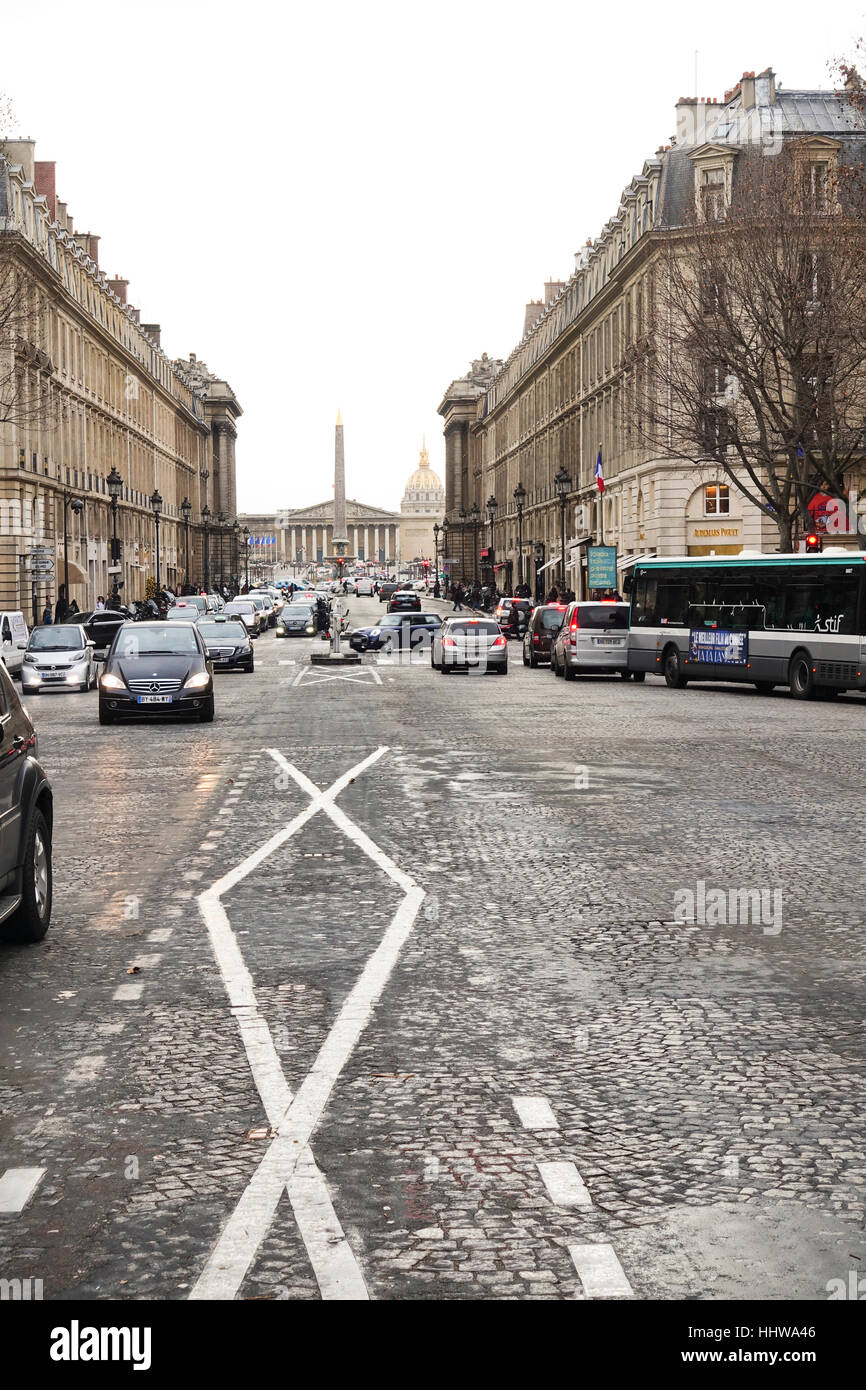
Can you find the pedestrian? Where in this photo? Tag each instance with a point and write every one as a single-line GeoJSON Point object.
{"type": "Point", "coordinates": [61, 608]}
{"type": "Point", "coordinates": [437, 591]}
{"type": "Point", "coordinates": [47, 619]}
{"type": "Point", "coordinates": [458, 596]}
{"type": "Point", "coordinates": [553, 595]}
{"type": "Point", "coordinates": [73, 608]}
{"type": "Point", "coordinates": [100, 604]}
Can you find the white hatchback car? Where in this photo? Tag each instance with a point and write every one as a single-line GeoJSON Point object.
{"type": "Point", "coordinates": [593, 640]}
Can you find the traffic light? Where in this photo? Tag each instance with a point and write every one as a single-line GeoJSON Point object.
{"type": "Point", "coordinates": [813, 543]}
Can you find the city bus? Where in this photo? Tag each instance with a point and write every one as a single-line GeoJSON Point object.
{"type": "Point", "coordinates": [767, 620]}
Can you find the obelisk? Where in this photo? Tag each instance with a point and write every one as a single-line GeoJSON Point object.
{"type": "Point", "coordinates": [341, 534]}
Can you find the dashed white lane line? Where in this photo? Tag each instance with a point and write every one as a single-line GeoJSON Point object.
{"type": "Point", "coordinates": [85, 1069]}
{"type": "Point", "coordinates": [288, 1162]}
{"type": "Point", "coordinates": [147, 962]}
{"type": "Point", "coordinates": [160, 934]}
{"type": "Point", "coordinates": [130, 992]}
{"type": "Point", "coordinates": [17, 1186]}
{"type": "Point", "coordinates": [534, 1112]}
{"type": "Point", "coordinates": [600, 1272]}
{"type": "Point", "coordinates": [565, 1186]}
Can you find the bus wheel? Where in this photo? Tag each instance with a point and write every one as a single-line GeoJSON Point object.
{"type": "Point", "coordinates": [764, 687]}
{"type": "Point", "coordinates": [800, 677]}
{"type": "Point", "coordinates": [673, 668]}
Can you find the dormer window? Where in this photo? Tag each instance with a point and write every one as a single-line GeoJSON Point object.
{"type": "Point", "coordinates": [712, 194]}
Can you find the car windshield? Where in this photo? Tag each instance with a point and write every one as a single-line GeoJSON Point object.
{"type": "Point", "coordinates": [56, 639]}
{"type": "Point", "coordinates": [187, 615]}
{"type": "Point", "coordinates": [469, 629]}
{"type": "Point", "coordinates": [239, 608]}
{"type": "Point", "coordinates": [156, 641]}
{"type": "Point", "coordinates": [232, 632]}
{"type": "Point", "coordinates": [599, 615]}
{"type": "Point", "coordinates": [300, 610]}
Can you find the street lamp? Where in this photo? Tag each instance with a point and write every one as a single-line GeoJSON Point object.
{"type": "Point", "coordinates": [77, 506]}
{"type": "Point", "coordinates": [221, 520]}
{"type": "Point", "coordinates": [115, 488]}
{"type": "Point", "coordinates": [464, 517]}
{"type": "Point", "coordinates": [236, 531]}
{"type": "Point", "coordinates": [156, 507]}
{"type": "Point", "coordinates": [436, 530]}
{"type": "Point", "coordinates": [246, 535]}
{"type": "Point", "coordinates": [205, 516]}
{"type": "Point", "coordinates": [491, 512]}
{"type": "Point", "coordinates": [563, 488]}
{"type": "Point", "coordinates": [520, 498]}
{"type": "Point", "coordinates": [186, 509]}
{"type": "Point", "coordinates": [475, 518]}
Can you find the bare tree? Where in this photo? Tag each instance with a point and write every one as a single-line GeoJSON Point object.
{"type": "Point", "coordinates": [755, 360]}
{"type": "Point", "coordinates": [25, 359]}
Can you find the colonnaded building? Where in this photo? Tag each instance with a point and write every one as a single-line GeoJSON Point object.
{"type": "Point", "coordinates": [304, 536]}
{"type": "Point", "coordinates": [91, 408]}
{"type": "Point", "coordinates": [564, 391]}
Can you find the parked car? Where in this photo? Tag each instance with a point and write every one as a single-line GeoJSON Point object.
{"type": "Point", "coordinates": [228, 644]}
{"type": "Point", "coordinates": [297, 620]}
{"type": "Point", "coordinates": [544, 623]}
{"type": "Point", "coordinates": [396, 630]}
{"type": "Point", "coordinates": [404, 601]}
{"type": "Point", "coordinates": [26, 823]}
{"type": "Point", "coordinates": [59, 657]}
{"type": "Point", "coordinates": [465, 643]}
{"type": "Point", "coordinates": [593, 639]}
{"type": "Point", "coordinates": [250, 615]}
{"type": "Point", "coordinates": [157, 668]}
{"type": "Point", "coordinates": [14, 639]}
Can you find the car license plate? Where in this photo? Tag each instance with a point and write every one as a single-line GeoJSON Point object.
{"type": "Point", "coordinates": [154, 699]}
{"type": "Point", "coordinates": [54, 675]}
{"type": "Point", "coordinates": [608, 641]}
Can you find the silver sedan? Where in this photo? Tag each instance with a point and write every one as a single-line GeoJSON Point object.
{"type": "Point", "coordinates": [463, 644]}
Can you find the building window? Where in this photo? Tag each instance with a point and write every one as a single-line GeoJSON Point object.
{"type": "Point", "coordinates": [717, 500]}
{"type": "Point", "coordinates": [712, 191]}
{"type": "Point", "coordinates": [714, 431]}
{"type": "Point", "coordinates": [817, 178]}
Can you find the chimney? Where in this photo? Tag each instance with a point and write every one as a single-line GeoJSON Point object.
{"type": "Point", "coordinates": [747, 85]}
{"type": "Point", "coordinates": [61, 213]}
{"type": "Point", "coordinates": [89, 245]}
{"type": "Point", "coordinates": [136, 314]}
{"type": "Point", "coordinates": [21, 152]}
{"type": "Point", "coordinates": [154, 330]}
{"type": "Point", "coordinates": [765, 88]}
{"type": "Point", "coordinates": [45, 185]}
{"type": "Point", "coordinates": [551, 290]}
{"type": "Point", "coordinates": [119, 287]}
{"type": "Point", "coordinates": [534, 310]}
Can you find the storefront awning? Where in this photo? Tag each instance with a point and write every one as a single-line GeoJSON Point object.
{"type": "Point", "coordinates": [628, 560]}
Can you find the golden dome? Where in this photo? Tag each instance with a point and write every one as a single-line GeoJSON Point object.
{"type": "Point", "coordinates": [424, 480]}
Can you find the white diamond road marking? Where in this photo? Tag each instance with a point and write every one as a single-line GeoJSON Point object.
{"type": "Point", "coordinates": [565, 1186]}
{"type": "Point", "coordinates": [600, 1272]}
{"type": "Point", "coordinates": [17, 1186]}
{"type": "Point", "coordinates": [85, 1069]}
{"type": "Point", "coordinates": [534, 1112]}
{"type": "Point", "coordinates": [288, 1164]}
{"type": "Point", "coordinates": [160, 934]}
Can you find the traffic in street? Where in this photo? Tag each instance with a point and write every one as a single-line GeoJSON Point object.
{"type": "Point", "coordinates": [378, 985]}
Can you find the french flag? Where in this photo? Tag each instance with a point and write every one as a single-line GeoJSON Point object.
{"type": "Point", "coordinates": [599, 473]}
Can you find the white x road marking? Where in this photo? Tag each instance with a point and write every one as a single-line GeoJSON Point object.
{"type": "Point", "coordinates": [288, 1165]}
{"type": "Point", "coordinates": [319, 678]}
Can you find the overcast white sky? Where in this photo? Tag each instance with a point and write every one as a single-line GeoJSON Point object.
{"type": "Point", "coordinates": [341, 204]}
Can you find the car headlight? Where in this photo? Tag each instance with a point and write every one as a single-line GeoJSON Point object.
{"type": "Point", "coordinates": [280, 628]}
{"type": "Point", "coordinates": [110, 682]}
{"type": "Point", "coordinates": [31, 660]}
{"type": "Point", "coordinates": [198, 681]}
{"type": "Point", "coordinates": [374, 632]}
{"type": "Point", "coordinates": [309, 628]}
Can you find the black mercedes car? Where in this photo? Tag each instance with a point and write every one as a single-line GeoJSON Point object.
{"type": "Point", "coordinates": [404, 601]}
{"type": "Point", "coordinates": [228, 643]}
{"type": "Point", "coordinates": [26, 822]}
{"type": "Point", "coordinates": [157, 668]}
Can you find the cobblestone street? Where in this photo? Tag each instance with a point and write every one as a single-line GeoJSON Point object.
{"type": "Point", "coordinates": [503, 1068]}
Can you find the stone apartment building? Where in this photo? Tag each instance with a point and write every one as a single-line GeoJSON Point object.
{"type": "Point", "coordinates": [91, 393]}
{"type": "Point", "coordinates": [567, 388]}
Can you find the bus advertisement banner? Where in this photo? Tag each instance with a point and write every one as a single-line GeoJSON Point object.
{"type": "Point", "coordinates": [718, 646]}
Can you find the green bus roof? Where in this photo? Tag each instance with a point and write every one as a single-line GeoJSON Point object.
{"type": "Point", "coordinates": [837, 557]}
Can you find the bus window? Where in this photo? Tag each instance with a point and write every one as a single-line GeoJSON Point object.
{"type": "Point", "coordinates": [816, 601]}
{"type": "Point", "coordinates": [643, 600]}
